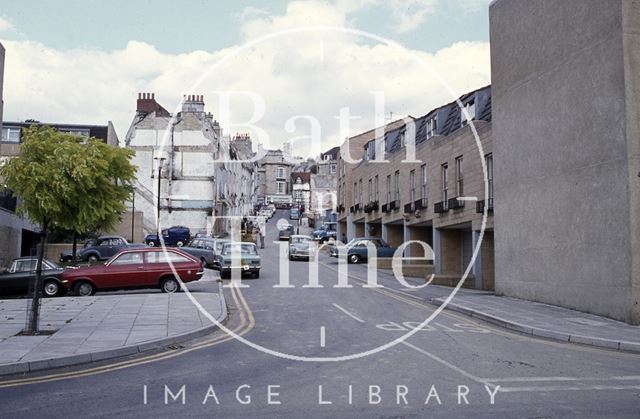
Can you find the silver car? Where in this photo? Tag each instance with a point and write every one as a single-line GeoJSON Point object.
{"type": "Point", "coordinates": [301, 247]}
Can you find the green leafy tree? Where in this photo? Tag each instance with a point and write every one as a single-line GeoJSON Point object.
{"type": "Point", "coordinates": [67, 182]}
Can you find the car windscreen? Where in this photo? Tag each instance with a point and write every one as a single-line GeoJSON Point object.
{"type": "Point", "coordinates": [245, 249]}
{"type": "Point", "coordinates": [302, 240]}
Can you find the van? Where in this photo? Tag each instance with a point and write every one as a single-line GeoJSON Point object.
{"type": "Point", "coordinates": [294, 214]}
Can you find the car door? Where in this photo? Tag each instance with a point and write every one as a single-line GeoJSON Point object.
{"type": "Point", "coordinates": [126, 271]}
{"type": "Point", "coordinates": [16, 279]}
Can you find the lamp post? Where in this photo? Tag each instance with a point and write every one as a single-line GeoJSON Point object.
{"type": "Point", "coordinates": [160, 163]}
{"type": "Point", "coordinates": [133, 216]}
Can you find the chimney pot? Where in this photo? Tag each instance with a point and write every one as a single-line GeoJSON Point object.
{"type": "Point", "coordinates": [153, 95]}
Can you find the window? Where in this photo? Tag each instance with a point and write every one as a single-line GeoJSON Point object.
{"type": "Point", "coordinates": [162, 257]}
{"type": "Point", "coordinates": [459, 177]}
{"type": "Point", "coordinates": [470, 109]}
{"type": "Point", "coordinates": [445, 183]}
{"type": "Point", "coordinates": [11, 135]}
{"type": "Point", "coordinates": [333, 168]}
{"type": "Point", "coordinates": [355, 192]}
{"type": "Point", "coordinates": [423, 185]}
{"type": "Point", "coordinates": [340, 201]}
{"type": "Point", "coordinates": [397, 186]}
{"type": "Point", "coordinates": [131, 258]}
{"type": "Point", "coordinates": [360, 192]}
{"type": "Point", "coordinates": [376, 196]}
{"type": "Point", "coordinates": [412, 186]}
{"type": "Point", "coordinates": [281, 188]}
{"type": "Point", "coordinates": [388, 188]}
{"type": "Point", "coordinates": [370, 197]}
{"type": "Point", "coordinates": [403, 140]}
{"type": "Point", "coordinates": [280, 173]}
{"type": "Point", "coordinates": [432, 126]}
{"type": "Point", "coordinates": [489, 163]}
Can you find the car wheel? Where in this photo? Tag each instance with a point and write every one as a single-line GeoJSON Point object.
{"type": "Point", "coordinates": [256, 274]}
{"type": "Point", "coordinates": [51, 288]}
{"type": "Point", "coordinates": [84, 289]}
{"type": "Point", "coordinates": [169, 285]}
{"type": "Point", "coordinates": [151, 243]}
{"type": "Point", "coordinates": [204, 262]}
{"type": "Point", "coordinates": [354, 258]}
{"type": "Point", "coordinates": [225, 275]}
{"type": "Point", "coordinates": [92, 258]}
{"type": "Point", "coordinates": [180, 243]}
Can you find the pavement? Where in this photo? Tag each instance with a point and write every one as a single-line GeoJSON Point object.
{"type": "Point", "coordinates": [101, 327]}
{"type": "Point", "coordinates": [547, 321]}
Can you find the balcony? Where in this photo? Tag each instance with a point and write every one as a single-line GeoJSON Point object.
{"type": "Point", "coordinates": [440, 207]}
{"type": "Point", "coordinates": [394, 205]}
{"type": "Point", "coordinates": [481, 204]}
{"type": "Point", "coordinates": [357, 207]}
{"type": "Point", "coordinates": [385, 208]}
{"type": "Point", "coordinates": [408, 208]}
{"type": "Point", "coordinates": [455, 203]}
{"type": "Point", "coordinates": [352, 209]}
{"type": "Point", "coordinates": [340, 208]}
{"type": "Point", "coordinates": [370, 207]}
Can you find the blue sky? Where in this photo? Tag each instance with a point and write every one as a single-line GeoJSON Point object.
{"type": "Point", "coordinates": [85, 62]}
{"type": "Point", "coordinates": [183, 26]}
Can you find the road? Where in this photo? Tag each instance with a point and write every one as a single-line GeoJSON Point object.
{"type": "Point", "coordinates": [316, 352]}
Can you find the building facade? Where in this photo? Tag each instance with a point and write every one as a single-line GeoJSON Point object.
{"type": "Point", "coordinates": [324, 183]}
{"type": "Point", "coordinates": [274, 178]}
{"type": "Point", "coordinates": [175, 154]}
{"type": "Point", "coordinates": [566, 90]}
{"type": "Point", "coordinates": [21, 235]}
{"type": "Point", "coordinates": [438, 197]}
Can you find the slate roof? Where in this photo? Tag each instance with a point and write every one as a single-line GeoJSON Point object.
{"type": "Point", "coordinates": [449, 119]}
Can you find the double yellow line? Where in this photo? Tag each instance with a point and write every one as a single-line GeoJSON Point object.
{"type": "Point", "coordinates": [247, 322]}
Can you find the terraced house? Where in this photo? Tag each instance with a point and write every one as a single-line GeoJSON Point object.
{"type": "Point", "coordinates": [435, 193]}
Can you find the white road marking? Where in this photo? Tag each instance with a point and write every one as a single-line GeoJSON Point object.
{"type": "Point", "coordinates": [543, 379]}
{"type": "Point", "coordinates": [348, 314]}
{"type": "Point", "coordinates": [448, 365]}
{"type": "Point", "coordinates": [565, 388]}
{"type": "Point", "coordinates": [322, 337]}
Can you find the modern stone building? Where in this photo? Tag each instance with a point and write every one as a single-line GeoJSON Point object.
{"type": "Point", "coordinates": [20, 235]}
{"type": "Point", "coordinates": [438, 199]}
{"type": "Point", "coordinates": [1, 83]}
{"type": "Point", "coordinates": [566, 100]}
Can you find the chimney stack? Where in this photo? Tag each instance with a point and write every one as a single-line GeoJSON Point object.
{"type": "Point", "coordinates": [147, 103]}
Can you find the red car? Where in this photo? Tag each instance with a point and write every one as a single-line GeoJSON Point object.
{"type": "Point", "coordinates": [135, 268]}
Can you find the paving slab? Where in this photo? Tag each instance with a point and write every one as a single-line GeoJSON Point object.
{"type": "Point", "coordinates": [101, 327]}
{"type": "Point", "coordinates": [548, 321]}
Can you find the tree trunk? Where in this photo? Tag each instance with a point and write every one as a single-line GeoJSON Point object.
{"type": "Point", "coordinates": [34, 313]}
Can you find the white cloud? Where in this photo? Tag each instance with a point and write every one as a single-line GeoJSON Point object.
{"type": "Point", "coordinates": [5, 24]}
{"type": "Point", "coordinates": [297, 74]}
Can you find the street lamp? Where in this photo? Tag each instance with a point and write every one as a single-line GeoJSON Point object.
{"type": "Point", "coordinates": [160, 163]}
{"type": "Point", "coordinates": [298, 200]}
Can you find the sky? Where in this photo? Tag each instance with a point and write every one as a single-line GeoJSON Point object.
{"type": "Point", "coordinates": [84, 61]}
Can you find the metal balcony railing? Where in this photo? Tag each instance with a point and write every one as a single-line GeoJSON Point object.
{"type": "Point", "coordinates": [440, 207]}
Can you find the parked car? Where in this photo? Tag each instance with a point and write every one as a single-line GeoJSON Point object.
{"type": "Point", "coordinates": [301, 247]}
{"type": "Point", "coordinates": [294, 214]}
{"type": "Point", "coordinates": [102, 248]}
{"type": "Point", "coordinates": [204, 249]}
{"type": "Point", "coordinates": [249, 262]}
{"type": "Point", "coordinates": [219, 245]}
{"type": "Point", "coordinates": [357, 249]}
{"type": "Point", "coordinates": [326, 232]}
{"type": "Point", "coordinates": [135, 268]}
{"type": "Point", "coordinates": [22, 271]}
{"type": "Point", "coordinates": [285, 233]}
{"type": "Point", "coordinates": [172, 236]}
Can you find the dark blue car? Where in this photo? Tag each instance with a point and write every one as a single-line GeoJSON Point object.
{"type": "Point", "coordinates": [172, 236]}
